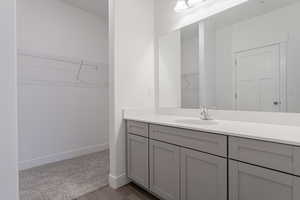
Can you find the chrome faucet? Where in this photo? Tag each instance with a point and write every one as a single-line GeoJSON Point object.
{"type": "Point", "coordinates": [204, 113]}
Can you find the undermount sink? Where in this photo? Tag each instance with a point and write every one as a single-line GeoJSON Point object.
{"type": "Point", "coordinates": [197, 122]}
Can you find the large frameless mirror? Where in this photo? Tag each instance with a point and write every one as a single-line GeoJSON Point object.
{"type": "Point", "coordinates": [245, 58]}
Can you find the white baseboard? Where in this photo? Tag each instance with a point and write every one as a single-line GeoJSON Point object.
{"type": "Point", "coordinates": [61, 156]}
{"type": "Point", "coordinates": [116, 182]}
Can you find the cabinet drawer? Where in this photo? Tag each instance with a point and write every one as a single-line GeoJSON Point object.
{"type": "Point", "coordinates": [137, 128]}
{"type": "Point", "coordinates": [280, 157]}
{"type": "Point", "coordinates": [206, 142]}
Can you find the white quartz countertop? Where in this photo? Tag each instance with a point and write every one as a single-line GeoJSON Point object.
{"type": "Point", "coordinates": [267, 132]}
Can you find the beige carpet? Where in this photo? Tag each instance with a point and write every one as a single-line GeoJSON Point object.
{"type": "Point", "coordinates": [65, 180]}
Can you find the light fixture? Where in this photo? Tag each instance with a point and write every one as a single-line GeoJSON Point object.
{"type": "Point", "coordinates": [192, 3]}
{"type": "Point", "coordinates": [181, 5]}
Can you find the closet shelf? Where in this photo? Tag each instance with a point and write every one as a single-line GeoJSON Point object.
{"type": "Point", "coordinates": [49, 70]}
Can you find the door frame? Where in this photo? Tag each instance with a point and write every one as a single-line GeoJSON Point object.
{"type": "Point", "coordinates": [282, 73]}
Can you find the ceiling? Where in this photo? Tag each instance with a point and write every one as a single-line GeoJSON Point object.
{"type": "Point", "coordinates": [239, 13]}
{"type": "Point", "coordinates": [244, 11]}
{"type": "Point", "coordinates": [248, 10]}
{"type": "Point", "coordinates": [97, 7]}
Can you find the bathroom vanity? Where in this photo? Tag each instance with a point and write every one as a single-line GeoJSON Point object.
{"type": "Point", "coordinates": [192, 159]}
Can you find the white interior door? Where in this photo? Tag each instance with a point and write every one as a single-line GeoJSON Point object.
{"type": "Point", "coordinates": [257, 79]}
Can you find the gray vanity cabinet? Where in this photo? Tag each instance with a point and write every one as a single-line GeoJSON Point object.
{"type": "Point", "coordinates": [137, 159]}
{"type": "Point", "coordinates": [164, 170]}
{"type": "Point", "coordinates": [248, 182]}
{"type": "Point", "coordinates": [180, 164]}
{"type": "Point", "coordinates": [203, 176]}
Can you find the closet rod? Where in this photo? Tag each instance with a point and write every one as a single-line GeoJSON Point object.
{"type": "Point", "coordinates": [60, 58]}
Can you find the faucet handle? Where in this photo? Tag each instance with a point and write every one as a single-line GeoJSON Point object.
{"type": "Point", "coordinates": [204, 113]}
{"type": "Point", "coordinates": [203, 108]}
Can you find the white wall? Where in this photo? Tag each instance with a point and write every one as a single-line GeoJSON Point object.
{"type": "Point", "coordinates": [131, 72]}
{"type": "Point", "coordinates": [170, 70]}
{"type": "Point", "coordinates": [59, 118]}
{"type": "Point", "coordinates": [210, 65]}
{"type": "Point", "coordinates": [198, 67]}
{"type": "Point", "coordinates": [55, 28]}
{"type": "Point", "coordinates": [274, 27]}
{"type": "Point", "coordinates": [8, 103]}
{"type": "Point", "coordinates": [207, 64]}
{"type": "Point", "coordinates": [190, 71]}
{"type": "Point", "coordinates": [224, 68]}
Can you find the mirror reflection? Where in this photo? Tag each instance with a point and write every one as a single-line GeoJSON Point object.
{"type": "Point", "coordinates": [246, 58]}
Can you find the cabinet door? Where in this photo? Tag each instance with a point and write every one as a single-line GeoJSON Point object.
{"type": "Point", "coordinates": [203, 176]}
{"type": "Point", "coordinates": [164, 170]}
{"type": "Point", "coordinates": [137, 159]}
{"type": "Point", "coordinates": [249, 182]}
